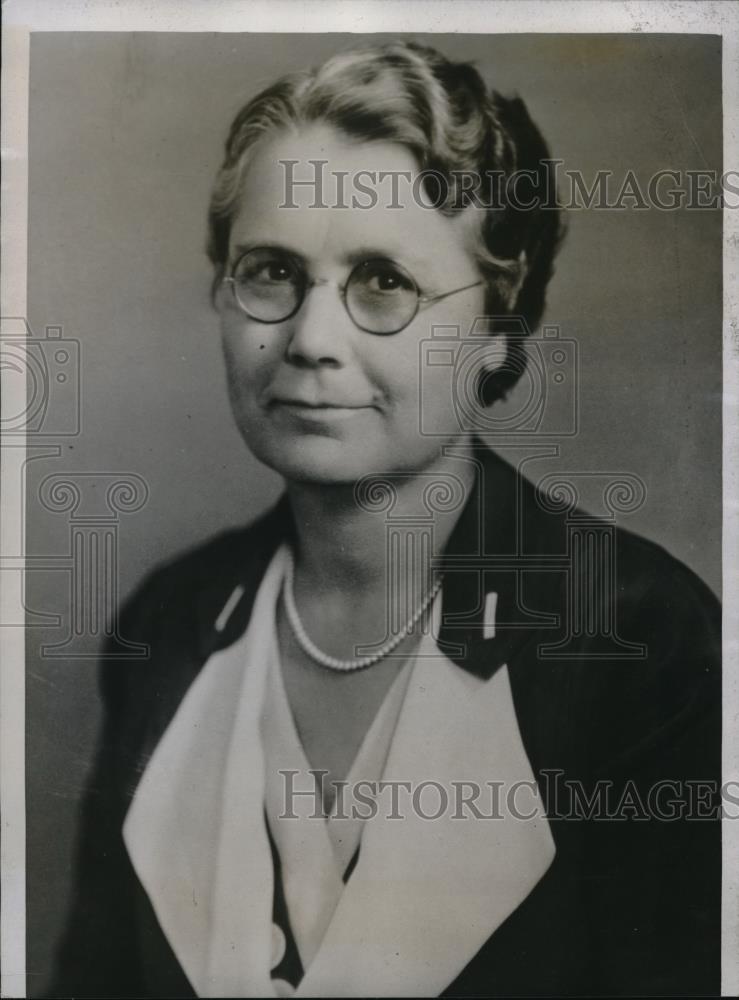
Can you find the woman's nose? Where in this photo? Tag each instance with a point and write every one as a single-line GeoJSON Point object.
{"type": "Point", "coordinates": [320, 329]}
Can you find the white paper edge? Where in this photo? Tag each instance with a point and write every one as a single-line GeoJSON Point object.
{"type": "Point", "coordinates": [469, 16]}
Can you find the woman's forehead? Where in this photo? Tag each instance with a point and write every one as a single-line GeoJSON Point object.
{"type": "Point", "coordinates": [323, 195]}
{"type": "Point", "coordinates": [310, 164]}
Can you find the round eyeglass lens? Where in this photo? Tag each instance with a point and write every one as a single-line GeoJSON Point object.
{"type": "Point", "coordinates": [381, 297]}
{"type": "Point", "coordinates": [269, 284]}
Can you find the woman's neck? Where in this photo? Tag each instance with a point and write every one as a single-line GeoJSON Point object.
{"type": "Point", "coordinates": [343, 540]}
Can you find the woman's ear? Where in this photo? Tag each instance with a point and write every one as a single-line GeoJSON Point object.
{"type": "Point", "coordinates": [523, 270]}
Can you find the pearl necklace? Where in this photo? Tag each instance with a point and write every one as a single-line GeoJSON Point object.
{"type": "Point", "coordinates": [332, 662]}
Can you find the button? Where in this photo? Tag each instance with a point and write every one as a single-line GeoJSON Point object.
{"type": "Point", "coordinates": [279, 946]}
{"type": "Point", "coordinates": [282, 988]}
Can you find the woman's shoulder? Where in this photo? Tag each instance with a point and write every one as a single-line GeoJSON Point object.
{"type": "Point", "coordinates": [651, 693]}
{"type": "Point", "coordinates": [639, 579]}
{"type": "Point", "coordinates": [199, 576]}
{"type": "Point", "coordinates": [659, 597]}
{"type": "Point", "coordinates": [647, 624]}
{"type": "Point", "coordinates": [631, 653]}
{"type": "Point", "coordinates": [174, 619]}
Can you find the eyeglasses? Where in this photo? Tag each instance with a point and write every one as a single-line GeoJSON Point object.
{"type": "Point", "coordinates": [380, 296]}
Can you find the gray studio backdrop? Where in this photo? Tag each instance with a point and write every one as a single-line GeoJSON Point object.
{"type": "Point", "coordinates": [126, 131]}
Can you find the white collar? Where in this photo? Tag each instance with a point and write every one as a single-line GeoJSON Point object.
{"type": "Point", "coordinates": [425, 894]}
{"type": "Point", "coordinates": [315, 852]}
{"type": "Point", "coordinates": [198, 807]}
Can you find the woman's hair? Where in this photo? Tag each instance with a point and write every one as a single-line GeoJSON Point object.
{"type": "Point", "coordinates": [469, 142]}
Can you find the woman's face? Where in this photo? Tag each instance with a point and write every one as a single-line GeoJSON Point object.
{"type": "Point", "coordinates": [315, 397]}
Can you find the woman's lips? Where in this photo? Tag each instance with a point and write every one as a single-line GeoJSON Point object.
{"type": "Point", "coordinates": [317, 411]}
{"type": "Point", "coordinates": [316, 404]}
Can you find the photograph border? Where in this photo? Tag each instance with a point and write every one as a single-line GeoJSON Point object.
{"type": "Point", "coordinates": [23, 17]}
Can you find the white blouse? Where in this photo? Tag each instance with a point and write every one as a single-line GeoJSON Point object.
{"type": "Point", "coordinates": [314, 851]}
{"type": "Point", "coordinates": [425, 894]}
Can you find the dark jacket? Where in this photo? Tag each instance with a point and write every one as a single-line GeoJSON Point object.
{"type": "Point", "coordinates": [614, 666]}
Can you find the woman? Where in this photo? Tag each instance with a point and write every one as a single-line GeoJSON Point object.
{"type": "Point", "coordinates": [403, 619]}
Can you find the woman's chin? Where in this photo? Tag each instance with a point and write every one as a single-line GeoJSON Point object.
{"type": "Point", "coordinates": [316, 459]}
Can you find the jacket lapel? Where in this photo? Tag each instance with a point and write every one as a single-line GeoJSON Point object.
{"type": "Point", "coordinates": [198, 804]}
{"type": "Point", "coordinates": [171, 831]}
{"type": "Point", "coordinates": [436, 886]}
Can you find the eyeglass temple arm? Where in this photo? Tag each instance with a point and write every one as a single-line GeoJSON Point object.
{"type": "Point", "coordinates": [444, 295]}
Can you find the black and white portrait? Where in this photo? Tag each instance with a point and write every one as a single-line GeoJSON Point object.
{"type": "Point", "coordinates": [370, 470]}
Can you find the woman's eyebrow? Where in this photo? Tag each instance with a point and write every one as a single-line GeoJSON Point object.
{"type": "Point", "coordinates": [399, 256]}
{"type": "Point", "coordinates": [242, 248]}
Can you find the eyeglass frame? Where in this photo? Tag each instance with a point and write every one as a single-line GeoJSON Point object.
{"type": "Point", "coordinates": [422, 301]}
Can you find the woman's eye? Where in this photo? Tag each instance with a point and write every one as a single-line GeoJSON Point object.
{"type": "Point", "coordinates": [278, 271]}
{"type": "Point", "coordinates": [266, 269]}
{"type": "Point", "coordinates": [385, 279]}
{"type": "Point", "coordinates": [273, 271]}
